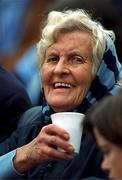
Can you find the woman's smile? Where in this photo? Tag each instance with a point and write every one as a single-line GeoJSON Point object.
{"type": "Point", "coordinates": [62, 87]}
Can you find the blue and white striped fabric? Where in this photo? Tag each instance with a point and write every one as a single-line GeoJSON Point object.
{"type": "Point", "coordinates": [105, 82]}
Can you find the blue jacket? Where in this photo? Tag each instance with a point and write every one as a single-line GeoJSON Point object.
{"type": "Point", "coordinates": [85, 165]}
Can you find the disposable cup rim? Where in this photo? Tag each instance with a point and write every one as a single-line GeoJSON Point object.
{"type": "Point", "coordinates": [76, 113]}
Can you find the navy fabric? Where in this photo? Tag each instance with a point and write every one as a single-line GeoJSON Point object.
{"type": "Point", "coordinates": [13, 102]}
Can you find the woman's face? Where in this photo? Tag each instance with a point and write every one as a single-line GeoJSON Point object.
{"type": "Point", "coordinates": [112, 154]}
{"type": "Point", "coordinates": [67, 70]}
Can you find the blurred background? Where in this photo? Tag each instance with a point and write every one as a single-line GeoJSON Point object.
{"type": "Point", "coordinates": [20, 26]}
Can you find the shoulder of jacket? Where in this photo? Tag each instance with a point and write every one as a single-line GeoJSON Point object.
{"type": "Point", "coordinates": [31, 116]}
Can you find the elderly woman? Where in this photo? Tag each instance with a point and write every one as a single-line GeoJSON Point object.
{"type": "Point", "coordinates": [79, 66]}
{"type": "Point", "coordinates": [104, 122]}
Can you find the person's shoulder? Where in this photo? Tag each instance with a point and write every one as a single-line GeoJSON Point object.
{"type": "Point", "coordinates": [10, 81]}
{"type": "Point", "coordinates": [34, 111]}
{"type": "Point", "coordinates": [31, 116]}
{"type": "Point", "coordinates": [13, 95]}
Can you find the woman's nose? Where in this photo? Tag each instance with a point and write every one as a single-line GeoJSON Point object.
{"type": "Point", "coordinates": [61, 67]}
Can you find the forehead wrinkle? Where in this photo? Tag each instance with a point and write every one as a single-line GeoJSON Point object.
{"type": "Point", "coordinates": [63, 50]}
{"type": "Point", "coordinates": [74, 45]}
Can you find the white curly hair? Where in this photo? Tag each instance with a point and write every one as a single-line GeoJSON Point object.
{"type": "Point", "coordinates": [70, 20]}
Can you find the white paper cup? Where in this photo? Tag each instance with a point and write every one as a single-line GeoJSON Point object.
{"type": "Point", "coordinates": [72, 123]}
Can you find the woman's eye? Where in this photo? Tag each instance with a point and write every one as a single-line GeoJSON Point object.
{"type": "Point", "coordinates": [52, 59]}
{"type": "Point", "coordinates": [77, 59]}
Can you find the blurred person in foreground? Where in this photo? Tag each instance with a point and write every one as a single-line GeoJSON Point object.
{"type": "Point", "coordinates": [79, 66]}
{"type": "Point", "coordinates": [104, 122]}
{"type": "Point", "coordinates": [14, 101]}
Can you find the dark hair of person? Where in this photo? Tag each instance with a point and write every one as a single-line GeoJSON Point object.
{"type": "Point", "coordinates": [106, 116]}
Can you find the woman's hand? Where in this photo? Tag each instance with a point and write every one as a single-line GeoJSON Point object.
{"type": "Point", "coordinates": [43, 148]}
